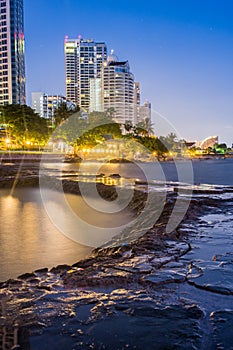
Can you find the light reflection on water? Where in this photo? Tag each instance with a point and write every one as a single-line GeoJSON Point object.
{"type": "Point", "coordinates": [28, 239]}
{"type": "Point", "coordinates": [213, 171]}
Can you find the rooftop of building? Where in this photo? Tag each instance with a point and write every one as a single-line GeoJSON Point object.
{"type": "Point", "coordinates": [122, 63]}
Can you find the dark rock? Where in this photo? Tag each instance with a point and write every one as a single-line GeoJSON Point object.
{"type": "Point", "coordinates": [115, 176]}
{"type": "Point", "coordinates": [163, 277]}
{"type": "Point", "coordinates": [26, 276]}
{"type": "Point", "coordinates": [147, 326]}
{"type": "Point", "coordinates": [217, 280]}
{"type": "Point", "coordinates": [222, 323]}
{"type": "Point", "coordinates": [60, 269]}
{"type": "Point", "coordinates": [42, 271]}
{"type": "Point", "coordinates": [43, 287]}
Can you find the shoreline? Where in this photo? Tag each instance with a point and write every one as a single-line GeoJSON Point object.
{"type": "Point", "coordinates": [72, 305]}
{"type": "Point", "coordinates": [27, 156]}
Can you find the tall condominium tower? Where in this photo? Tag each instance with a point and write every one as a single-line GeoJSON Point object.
{"type": "Point", "coordinates": [12, 64]}
{"type": "Point", "coordinates": [84, 59]}
{"type": "Point", "coordinates": [118, 89]}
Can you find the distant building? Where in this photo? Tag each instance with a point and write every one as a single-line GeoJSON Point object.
{"type": "Point", "coordinates": [55, 101]}
{"type": "Point", "coordinates": [96, 82]}
{"type": "Point", "coordinates": [45, 105]}
{"type": "Point", "coordinates": [12, 61]}
{"type": "Point", "coordinates": [145, 111]}
{"type": "Point", "coordinates": [137, 102]}
{"type": "Point", "coordinates": [96, 95]}
{"type": "Point", "coordinates": [40, 104]}
{"type": "Point", "coordinates": [208, 142]}
{"type": "Point", "coordinates": [84, 59]}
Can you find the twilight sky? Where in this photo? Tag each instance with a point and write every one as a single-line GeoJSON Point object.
{"type": "Point", "coordinates": [181, 51]}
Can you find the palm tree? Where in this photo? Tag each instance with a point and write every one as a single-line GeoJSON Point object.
{"type": "Point", "coordinates": [145, 127]}
{"type": "Point", "coordinates": [63, 112]}
{"type": "Point", "coordinates": [128, 126]}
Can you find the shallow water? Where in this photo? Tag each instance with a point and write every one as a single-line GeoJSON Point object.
{"type": "Point", "coordinates": [29, 240]}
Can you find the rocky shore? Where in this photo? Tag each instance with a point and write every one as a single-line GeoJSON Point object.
{"type": "Point", "coordinates": [152, 293]}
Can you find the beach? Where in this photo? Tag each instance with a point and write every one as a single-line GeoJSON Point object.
{"type": "Point", "coordinates": [158, 291]}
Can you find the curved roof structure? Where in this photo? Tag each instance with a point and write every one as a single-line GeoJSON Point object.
{"type": "Point", "coordinates": [209, 142]}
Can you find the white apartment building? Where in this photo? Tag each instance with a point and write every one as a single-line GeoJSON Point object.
{"type": "Point", "coordinates": [45, 105]}
{"type": "Point", "coordinates": [118, 89]}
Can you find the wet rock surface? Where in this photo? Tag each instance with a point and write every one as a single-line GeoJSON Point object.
{"type": "Point", "coordinates": [222, 323]}
{"type": "Point", "coordinates": [162, 291]}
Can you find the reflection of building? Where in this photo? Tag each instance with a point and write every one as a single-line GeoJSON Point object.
{"type": "Point", "coordinates": [12, 65]}
{"type": "Point", "coordinates": [83, 60]}
{"type": "Point", "coordinates": [208, 142]}
{"type": "Point", "coordinates": [45, 105]}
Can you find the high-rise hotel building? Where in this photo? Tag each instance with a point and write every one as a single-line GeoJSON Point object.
{"type": "Point", "coordinates": [12, 62]}
{"type": "Point", "coordinates": [118, 89]}
{"type": "Point", "coordinates": [84, 59]}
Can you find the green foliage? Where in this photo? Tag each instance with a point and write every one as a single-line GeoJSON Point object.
{"type": "Point", "coordinates": [144, 128]}
{"type": "Point", "coordinates": [170, 141]}
{"type": "Point", "coordinates": [98, 125]}
{"type": "Point", "coordinates": [128, 126]}
{"type": "Point", "coordinates": [70, 129]}
{"type": "Point", "coordinates": [24, 124]}
{"type": "Point", "coordinates": [62, 113]}
{"type": "Point", "coordinates": [154, 145]}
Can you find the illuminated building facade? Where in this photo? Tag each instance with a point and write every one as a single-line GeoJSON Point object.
{"type": "Point", "coordinates": [45, 105]}
{"type": "Point", "coordinates": [118, 89]}
{"type": "Point", "coordinates": [84, 59]}
{"type": "Point", "coordinates": [12, 61]}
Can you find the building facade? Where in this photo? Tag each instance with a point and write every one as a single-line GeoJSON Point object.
{"type": "Point", "coordinates": [12, 60]}
{"type": "Point", "coordinates": [40, 104]}
{"type": "Point", "coordinates": [96, 95]}
{"type": "Point", "coordinates": [84, 59]}
{"type": "Point", "coordinates": [45, 105]}
{"type": "Point", "coordinates": [137, 102]}
{"type": "Point", "coordinates": [145, 111]}
{"type": "Point", "coordinates": [118, 89]}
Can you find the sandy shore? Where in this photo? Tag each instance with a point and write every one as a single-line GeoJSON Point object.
{"type": "Point", "coordinates": [130, 296]}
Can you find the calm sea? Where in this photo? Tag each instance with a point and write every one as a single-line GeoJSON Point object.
{"type": "Point", "coordinates": [216, 171]}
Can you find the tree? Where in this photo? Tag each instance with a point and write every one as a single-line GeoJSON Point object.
{"type": "Point", "coordinates": [128, 126]}
{"type": "Point", "coordinates": [144, 128]}
{"type": "Point", "coordinates": [23, 124]}
{"type": "Point", "coordinates": [96, 118]}
{"type": "Point", "coordinates": [63, 112]}
{"type": "Point", "coordinates": [170, 141]}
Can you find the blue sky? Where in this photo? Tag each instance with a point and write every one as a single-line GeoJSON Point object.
{"type": "Point", "coordinates": [181, 51]}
